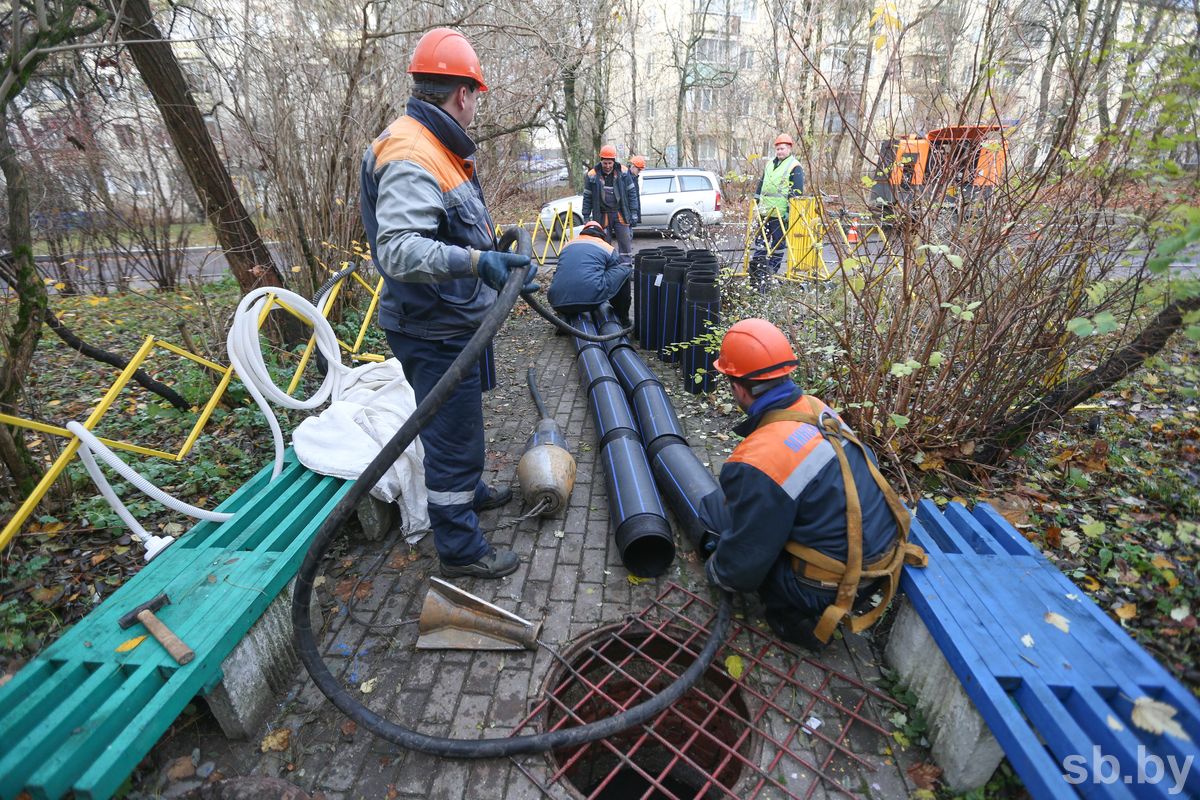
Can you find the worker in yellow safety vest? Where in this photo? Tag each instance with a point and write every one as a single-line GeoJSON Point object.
{"type": "Point", "coordinates": [782, 179]}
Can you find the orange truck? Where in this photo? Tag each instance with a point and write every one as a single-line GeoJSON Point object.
{"type": "Point", "coordinates": [960, 161]}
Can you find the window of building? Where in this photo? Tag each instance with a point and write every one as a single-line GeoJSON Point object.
{"type": "Point", "coordinates": [706, 148]}
{"type": "Point", "coordinates": [702, 99]}
{"type": "Point", "coordinates": [712, 51]}
{"type": "Point", "coordinates": [746, 58]}
{"type": "Point", "coordinates": [743, 104]}
{"type": "Point", "coordinates": [124, 135]}
{"type": "Point", "coordinates": [657, 185]}
{"type": "Point", "coordinates": [139, 182]}
{"type": "Point", "coordinates": [698, 183]}
{"type": "Point", "coordinates": [650, 108]}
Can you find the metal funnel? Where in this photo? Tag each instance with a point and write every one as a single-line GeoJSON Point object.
{"type": "Point", "coordinates": [452, 619]}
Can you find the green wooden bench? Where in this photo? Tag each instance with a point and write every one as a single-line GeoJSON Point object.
{"type": "Point", "coordinates": [82, 715]}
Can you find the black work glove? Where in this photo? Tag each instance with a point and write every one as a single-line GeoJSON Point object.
{"type": "Point", "coordinates": [493, 266]}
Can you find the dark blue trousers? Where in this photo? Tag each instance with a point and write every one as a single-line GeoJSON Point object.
{"type": "Point", "coordinates": [768, 254]}
{"type": "Point", "coordinates": [453, 442]}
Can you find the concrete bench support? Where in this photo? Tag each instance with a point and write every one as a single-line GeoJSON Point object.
{"type": "Point", "coordinates": [260, 669]}
{"type": "Point", "coordinates": [960, 741]}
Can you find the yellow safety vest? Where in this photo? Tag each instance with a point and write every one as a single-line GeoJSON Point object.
{"type": "Point", "coordinates": [777, 185]}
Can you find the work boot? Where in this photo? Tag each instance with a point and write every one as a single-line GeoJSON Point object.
{"type": "Point", "coordinates": [496, 564]}
{"type": "Point", "coordinates": [495, 498]}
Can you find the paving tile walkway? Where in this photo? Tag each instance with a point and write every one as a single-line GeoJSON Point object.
{"type": "Point", "coordinates": [571, 578]}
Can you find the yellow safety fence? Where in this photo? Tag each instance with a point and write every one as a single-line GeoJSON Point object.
{"type": "Point", "coordinates": [554, 238]}
{"type": "Point", "coordinates": [139, 358]}
{"type": "Point", "coordinates": [802, 242]}
{"type": "Point", "coordinates": [805, 230]}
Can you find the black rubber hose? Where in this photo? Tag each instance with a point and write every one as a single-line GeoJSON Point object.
{"type": "Point", "coordinates": [322, 364]}
{"type": "Point", "coordinates": [531, 300]}
{"type": "Point", "coordinates": [531, 376]}
{"type": "Point", "coordinates": [448, 747]}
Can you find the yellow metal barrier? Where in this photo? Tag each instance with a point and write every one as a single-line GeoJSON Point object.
{"type": "Point", "coordinates": [354, 350]}
{"type": "Point", "coordinates": [803, 239]}
{"type": "Point", "coordinates": [560, 232]}
{"type": "Point", "coordinates": [60, 464]}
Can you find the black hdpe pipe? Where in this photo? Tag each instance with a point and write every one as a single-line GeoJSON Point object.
{"type": "Point", "coordinates": [448, 747]}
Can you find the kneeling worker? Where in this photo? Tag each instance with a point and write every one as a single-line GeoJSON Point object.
{"type": "Point", "coordinates": [590, 272]}
{"type": "Point", "coordinates": [809, 522]}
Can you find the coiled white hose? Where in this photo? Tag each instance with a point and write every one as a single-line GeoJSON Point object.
{"type": "Point", "coordinates": [246, 357]}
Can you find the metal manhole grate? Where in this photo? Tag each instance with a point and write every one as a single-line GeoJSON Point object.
{"type": "Point", "coordinates": [787, 727]}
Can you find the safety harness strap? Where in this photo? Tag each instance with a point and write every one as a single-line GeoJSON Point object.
{"type": "Point", "coordinates": [817, 566]}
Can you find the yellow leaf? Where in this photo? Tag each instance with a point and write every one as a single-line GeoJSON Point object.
{"type": "Point", "coordinates": [295, 269]}
{"type": "Point", "coordinates": [634, 580]}
{"type": "Point", "coordinates": [276, 741]}
{"type": "Point", "coordinates": [1127, 611]}
{"type": "Point", "coordinates": [1089, 583]}
{"type": "Point", "coordinates": [734, 666]}
{"type": "Point", "coordinates": [1058, 621]}
{"type": "Point", "coordinates": [60, 286]}
{"type": "Point", "coordinates": [1156, 717]}
{"type": "Point", "coordinates": [1162, 562]}
{"type": "Point", "coordinates": [129, 644]}
{"type": "Point", "coordinates": [880, 41]}
{"type": "Point", "coordinates": [932, 462]}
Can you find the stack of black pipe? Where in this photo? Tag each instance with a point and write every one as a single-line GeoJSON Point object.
{"type": "Point", "coordinates": [680, 475]}
{"type": "Point", "coordinates": [676, 299]}
{"type": "Point", "coordinates": [701, 313]}
{"type": "Point", "coordinates": [643, 535]}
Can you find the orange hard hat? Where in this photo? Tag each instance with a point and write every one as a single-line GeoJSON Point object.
{"type": "Point", "coordinates": [608, 151]}
{"type": "Point", "coordinates": [783, 138]}
{"type": "Point", "coordinates": [592, 226]}
{"type": "Point", "coordinates": [446, 52]}
{"type": "Point", "coordinates": [754, 349]}
{"type": "Point", "coordinates": [638, 161]}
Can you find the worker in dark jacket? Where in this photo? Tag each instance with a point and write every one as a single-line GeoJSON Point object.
{"type": "Point", "coordinates": [607, 200]}
{"type": "Point", "coordinates": [590, 272]}
{"type": "Point", "coordinates": [782, 180]}
{"type": "Point", "coordinates": [785, 530]}
{"type": "Point", "coordinates": [432, 240]}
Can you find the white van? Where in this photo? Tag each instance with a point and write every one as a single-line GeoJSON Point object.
{"type": "Point", "coordinates": [677, 199]}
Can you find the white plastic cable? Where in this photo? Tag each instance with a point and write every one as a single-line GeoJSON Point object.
{"type": "Point", "coordinates": [246, 357]}
{"type": "Point", "coordinates": [90, 447]}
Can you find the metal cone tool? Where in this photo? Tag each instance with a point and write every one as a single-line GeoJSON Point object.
{"type": "Point", "coordinates": [452, 619]}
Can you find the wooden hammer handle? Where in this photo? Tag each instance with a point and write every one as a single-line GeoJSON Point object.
{"type": "Point", "coordinates": [175, 646]}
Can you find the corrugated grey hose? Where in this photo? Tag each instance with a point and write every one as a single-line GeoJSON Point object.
{"type": "Point", "coordinates": [450, 747]}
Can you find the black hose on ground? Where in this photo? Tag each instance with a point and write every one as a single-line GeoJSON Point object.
{"type": "Point", "coordinates": [531, 377]}
{"type": "Point", "coordinates": [449, 747]}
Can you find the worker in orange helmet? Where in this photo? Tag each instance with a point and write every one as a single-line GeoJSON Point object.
{"type": "Point", "coordinates": [433, 241]}
{"type": "Point", "coordinates": [636, 165]}
{"type": "Point", "coordinates": [812, 544]}
{"type": "Point", "coordinates": [782, 180]}
{"type": "Point", "coordinates": [608, 200]}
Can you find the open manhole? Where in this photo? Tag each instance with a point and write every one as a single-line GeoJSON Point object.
{"type": "Point", "coordinates": [697, 748]}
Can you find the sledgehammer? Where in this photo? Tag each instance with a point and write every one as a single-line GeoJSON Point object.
{"type": "Point", "coordinates": [145, 615]}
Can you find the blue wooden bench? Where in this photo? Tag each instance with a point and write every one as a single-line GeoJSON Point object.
{"type": "Point", "coordinates": [82, 715]}
{"type": "Point", "coordinates": [1055, 695]}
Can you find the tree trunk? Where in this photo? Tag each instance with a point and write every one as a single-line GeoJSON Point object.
{"type": "Point", "coordinates": [22, 339]}
{"type": "Point", "coordinates": [1014, 430]}
{"type": "Point", "coordinates": [249, 259]}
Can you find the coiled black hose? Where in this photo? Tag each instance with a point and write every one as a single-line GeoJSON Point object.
{"type": "Point", "coordinates": [450, 747]}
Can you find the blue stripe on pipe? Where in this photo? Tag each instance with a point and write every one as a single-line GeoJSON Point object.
{"type": "Point", "coordinates": [678, 486]}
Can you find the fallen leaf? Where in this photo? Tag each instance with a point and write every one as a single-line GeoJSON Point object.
{"type": "Point", "coordinates": [1089, 583]}
{"type": "Point", "coordinates": [1157, 717]}
{"type": "Point", "coordinates": [99, 558]}
{"type": "Point", "coordinates": [734, 666]}
{"type": "Point", "coordinates": [181, 768]}
{"type": "Point", "coordinates": [1058, 621]}
{"type": "Point", "coordinates": [276, 741]}
{"type": "Point", "coordinates": [368, 686]}
{"type": "Point", "coordinates": [1027, 640]}
{"type": "Point", "coordinates": [1162, 562]}
{"type": "Point", "coordinates": [1053, 537]}
{"type": "Point", "coordinates": [634, 580]}
{"type": "Point", "coordinates": [46, 595]}
{"type": "Point", "coordinates": [1114, 723]}
{"type": "Point", "coordinates": [925, 775]}
{"type": "Point", "coordinates": [129, 644]}
{"type": "Point", "coordinates": [1181, 613]}
{"type": "Point", "coordinates": [361, 592]}
{"type": "Point", "coordinates": [348, 728]}
{"type": "Point", "coordinates": [1126, 611]}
